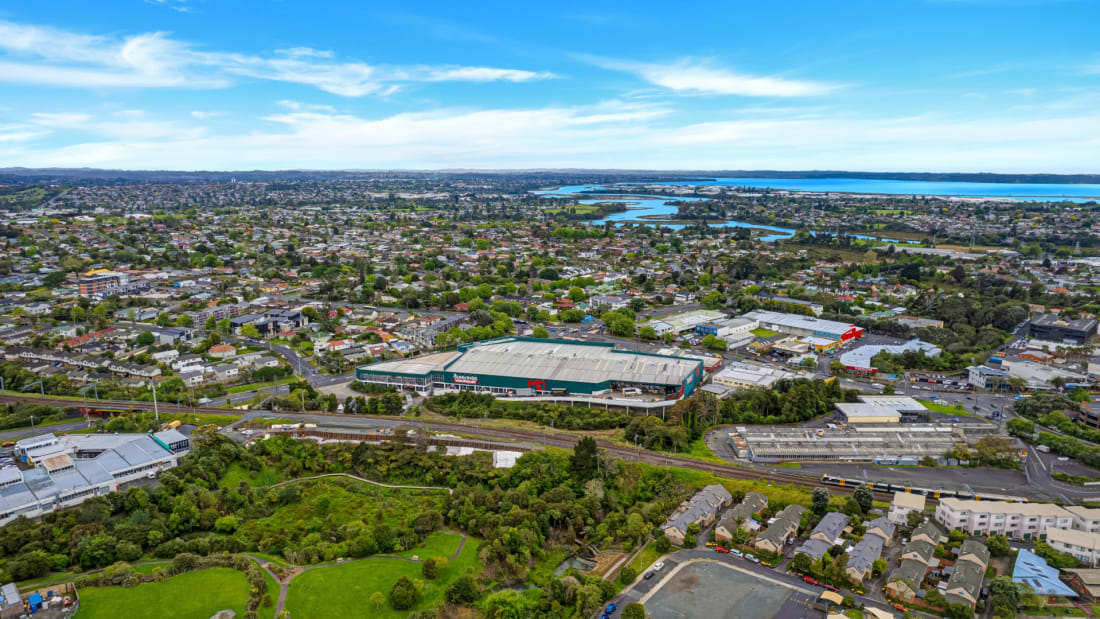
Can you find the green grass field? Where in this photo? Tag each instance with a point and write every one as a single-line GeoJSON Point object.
{"type": "Point", "coordinates": [273, 593]}
{"type": "Point", "coordinates": [270, 383]}
{"type": "Point", "coordinates": [346, 589]}
{"type": "Point", "coordinates": [437, 544]}
{"type": "Point", "coordinates": [946, 409]}
{"type": "Point", "coordinates": [646, 558]}
{"type": "Point", "coordinates": [190, 595]}
{"type": "Point", "coordinates": [698, 450]}
{"type": "Point", "coordinates": [761, 332]}
{"type": "Point", "coordinates": [238, 473]}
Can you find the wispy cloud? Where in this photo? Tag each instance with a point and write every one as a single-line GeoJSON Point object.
{"type": "Point", "coordinates": [180, 6]}
{"type": "Point", "coordinates": [53, 57]}
{"type": "Point", "coordinates": [692, 76]}
{"type": "Point", "coordinates": [620, 134]}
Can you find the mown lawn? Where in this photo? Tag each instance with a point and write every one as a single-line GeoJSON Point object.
{"type": "Point", "coordinates": [437, 544]}
{"type": "Point", "coordinates": [946, 409]}
{"type": "Point", "coordinates": [346, 589]}
{"type": "Point", "coordinates": [646, 558]}
{"type": "Point", "coordinates": [762, 332]}
{"type": "Point", "coordinates": [190, 595]}
{"type": "Point", "coordinates": [237, 473]}
{"type": "Point", "coordinates": [253, 386]}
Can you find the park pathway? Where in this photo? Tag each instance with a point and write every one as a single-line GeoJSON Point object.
{"type": "Point", "coordinates": [284, 587]}
{"type": "Point", "coordinates": [362, 479]}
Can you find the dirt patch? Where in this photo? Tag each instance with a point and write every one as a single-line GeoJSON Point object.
{"type": "Point", "coordinates": [605, 561]}
{"type": "Point", "coordinates": [683, 582]}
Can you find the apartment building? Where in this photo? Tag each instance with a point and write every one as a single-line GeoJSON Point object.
{"type": "Point", "coordinates": [1081, 544]}
{"type": "Point", "coordinates": [702, 509]}
{"type": "Point", "coordinates": [1015, 520]}
{"type": "Point", "coordinates": [1085, 518]}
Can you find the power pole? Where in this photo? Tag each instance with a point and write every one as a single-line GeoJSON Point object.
{"type": "Point", "coordinates": [156, 410]}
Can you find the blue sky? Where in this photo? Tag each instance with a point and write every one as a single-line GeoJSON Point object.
{"type": "Point", "coordinates": [937, 85]}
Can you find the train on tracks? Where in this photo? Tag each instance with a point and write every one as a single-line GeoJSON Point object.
{"type": "Point", "coordinates": [880, 486]}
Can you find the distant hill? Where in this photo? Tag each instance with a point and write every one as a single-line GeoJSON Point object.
{"type": "Point", "coordinates": [93, 176]}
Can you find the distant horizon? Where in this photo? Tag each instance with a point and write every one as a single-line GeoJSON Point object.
{"type": "Point", "coordinates": [681, 174]}
{"type": "Point", "coordinates": [857, 85]}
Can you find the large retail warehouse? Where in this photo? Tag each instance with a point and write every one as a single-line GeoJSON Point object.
{"type": "Point", "coordinates": [524, 366]}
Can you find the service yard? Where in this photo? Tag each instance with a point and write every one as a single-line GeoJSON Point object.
{"type": "Point", "coordinates": [718, 591]}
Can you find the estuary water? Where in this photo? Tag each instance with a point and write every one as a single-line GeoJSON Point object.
{"type": "Point", "coordinates": [639, 205]}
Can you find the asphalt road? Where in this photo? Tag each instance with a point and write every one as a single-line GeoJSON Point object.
{"type": "Point", "coordinates": [641, 586]}
{"type": "Point", "coordinates": [21, 433]}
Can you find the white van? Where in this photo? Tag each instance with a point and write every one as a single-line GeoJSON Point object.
{"type": "Point", "coordinates": [632, 391]}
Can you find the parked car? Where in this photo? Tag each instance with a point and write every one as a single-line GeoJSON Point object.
{"type": "Point", "coordinates": [721, 549]}
{"type": "Point", "coordinates": [900, 608]}
{"type": "Point", "coordinates": [752, 558]}
{"type": "Point", "coordinates": [712, 543]}
{"type": "Point", "coordinates": [647, 576]}
{"type": "Point", "coordinates": [809, 580]}
{"type": "Point", "coordinates": [611, 608]}
{"type": "Point", "coordinates": [831, 587]}
{"type": "Point", "coordinates": [658, 566]}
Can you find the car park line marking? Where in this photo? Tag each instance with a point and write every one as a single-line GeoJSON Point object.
{"type": "Point", "coordinates": [661, 583]}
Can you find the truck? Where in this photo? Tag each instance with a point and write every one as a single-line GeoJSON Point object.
{"type": "Point", "coordinates": [1043, 448]}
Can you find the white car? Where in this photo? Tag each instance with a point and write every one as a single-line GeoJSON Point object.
{"type": "Point", "coordinates": [658, 566]}
{"type": "Point", "coordinates": [1063, 459]}
{"type": "Point", "coordinates": [736, 553]}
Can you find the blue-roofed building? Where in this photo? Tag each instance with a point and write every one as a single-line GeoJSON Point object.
{"type": "Point", "coordinates": [1033, 571]}
{"type": "Point", "coordinates": [70, 468]}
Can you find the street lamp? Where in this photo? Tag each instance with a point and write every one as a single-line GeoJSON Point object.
{"type": "Point", "coordinates": [41, 388]}
{"type": "Point", "coordinates": [156, 411]}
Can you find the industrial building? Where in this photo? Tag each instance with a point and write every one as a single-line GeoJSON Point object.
{"type": "Point", "coordinates": [881, 444]}
{"type": "Point", "coordinates": [881, 409]}
{"type": "Point", "coordinates": [1057, 329]}
{"type": "Point", "coordinates": [69, 469]}
{"type": "Point", "coordinates": [685, 322]}
{"type": "Point", "coordinates": [859, 359]}
{"type": "Point", "coordinates": [823, 335]}
{"type": "Point", "coordinates": [525, 366]}
{"type": "Point", "coordinates": [739, 375]}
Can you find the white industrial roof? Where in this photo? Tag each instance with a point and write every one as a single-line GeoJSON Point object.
{"type": "Point", "coordinates": [861, 357]}
{"type": "Point", "coordinates": [797, 321]}
{"type": "Point", "coordinates": [418, 366]}
{"type": "Point", "coordinates": [856, 410]}
{"type": "Point", "coordinates": [571, 362]}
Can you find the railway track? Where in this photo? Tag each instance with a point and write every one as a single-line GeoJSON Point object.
{"type": "Point", "coordinates": [555, 439]}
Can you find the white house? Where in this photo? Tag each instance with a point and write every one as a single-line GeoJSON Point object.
{"type": "Point", "coordinates": [1015, 520]}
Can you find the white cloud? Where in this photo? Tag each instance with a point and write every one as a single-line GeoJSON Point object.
{"type": "Point", "coordinates": [204, 114]}
{"type": "Point", "coordinates": [613, 134]}
{"type": "Point", "coordinates": [53, 57]}
{"type": "Point", "coordinates": [695, 77]}
{"type": "Point", "coordinates": [176, 5]}
{"type": "Point", "coordinates": [484, 74]}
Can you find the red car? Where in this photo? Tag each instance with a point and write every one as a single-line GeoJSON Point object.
{"type": "Point", "coordinates": [721, 549]}
{"type": "Point", "coordinates": [831, 587]}
{"type": "Point", "coordinates": [809, 580]}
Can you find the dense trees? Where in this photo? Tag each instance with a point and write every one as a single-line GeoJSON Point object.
{"type": "Point", "coordinates": [469, 404]}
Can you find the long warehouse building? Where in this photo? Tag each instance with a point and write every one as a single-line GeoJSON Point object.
{"type": "Point", "coordinates": [525, 366]}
